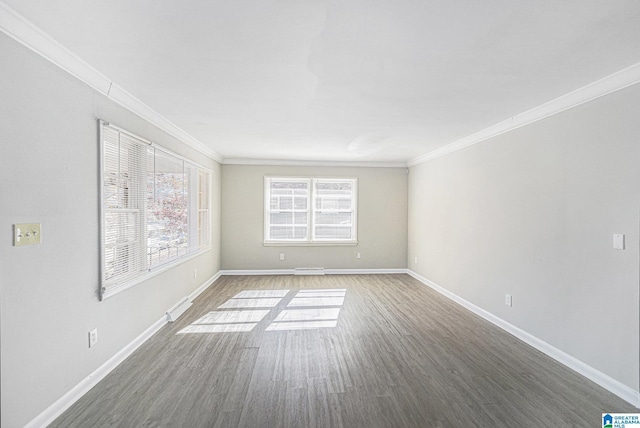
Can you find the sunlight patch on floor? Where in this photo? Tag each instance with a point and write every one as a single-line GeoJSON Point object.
{"type": "Point", "coordinates": [308, 309]}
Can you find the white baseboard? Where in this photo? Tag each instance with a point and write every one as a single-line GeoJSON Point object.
{"type": "Point", "coordinates": [364, 271]}
{"type": "Point", "coordinates": [257, 272]}
{"type": "Point", "coordinates": [67, 400]}
{"type": "Point", "coordinates": [198, 291]}
{"type": "Point", "coordinates": [326, 271]}
{"type": "Point", "coordinates": [607, 382]}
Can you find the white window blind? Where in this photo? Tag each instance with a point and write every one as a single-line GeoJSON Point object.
{"type": "Point", "coordinates": [288, 209]}
{"type": "Point", "coordinates": [334, 210]}
{"type": "Point", "coordinates": [123, 201]}
{"type": "Point", "coordinates": [155, 208]}
{"type": "Point", "coordinates": [310, 210]}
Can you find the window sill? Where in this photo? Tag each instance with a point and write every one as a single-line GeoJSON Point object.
{"type": "Point", "coordinates": [310, 244]}
{"type": "Point", "coordinates": [114, 289]}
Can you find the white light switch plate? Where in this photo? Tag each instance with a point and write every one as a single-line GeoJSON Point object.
{"type": "Point", "coordinates": [618, 241]}
{"type": "Point", "coordinates": [26, 234]}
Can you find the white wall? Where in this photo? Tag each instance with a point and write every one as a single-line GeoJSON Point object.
{"type": "Point", "coordinates": [382, 220]}
{"type": "Point", "coordinates": [532, 213]}
{"type": "Point", "coordinates": [49, 292]}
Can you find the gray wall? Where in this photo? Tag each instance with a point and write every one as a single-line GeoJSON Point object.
{"type": "Point", "coordinates": [532, 213]}
{"type": "Point", "coordinates": [382, 220]}
{"type": "Point", "coordinates": [49, 292]}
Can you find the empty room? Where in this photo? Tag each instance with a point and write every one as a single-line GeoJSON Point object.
{"type": "Point", "coordinates": [312, 213]}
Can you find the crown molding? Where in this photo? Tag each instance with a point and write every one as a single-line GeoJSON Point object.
{"type": "Point", "coordinates": [26, 33]}
{"type": "Point", "coordinates": [285, 162]}
{"type": "Point", "coordinates": [128, 101]}
{"type": "Point", "coordinates": [612, 83]}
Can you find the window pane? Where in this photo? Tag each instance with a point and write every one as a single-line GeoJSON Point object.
{"type": "Point", "coordinates": [327, 218]}
{"type": "Point", "coordinates": [167, 219]}
{"type": "Point", "coordinates": [281, 218]}
{"type": "Point", "coordinates": [287, 214]}
{"type": "Point", "coordinates": [280, 232]}
{"type": "Point", "coordinates": [204, 218]}
{"type": "Point", "coordinates": [301, 218]}
{"type": "Point", "coordinates": [300, 203]}
{"type": "Point", "coordinates": [300, 232]}
{"type": "Point", "coordinates": [285, 203]}
{"type": "Point", "coordinates": [334, 214]}
{"type": "Point", "coordinates": [120, 227]}
{"type": "Point", "coordinates": [300, 187]}
{"type": "Point", "coordinates": [333, 232]}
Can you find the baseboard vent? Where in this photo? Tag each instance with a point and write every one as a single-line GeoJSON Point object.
{"type": "Point", "coordinates": [179, 309]}
{"type": "Point", "coordinates": [308, 271]}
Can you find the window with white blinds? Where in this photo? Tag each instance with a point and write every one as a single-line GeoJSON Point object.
{"type": "Point", "coordinates": [155, 208]}
{"type": "Point", "coordinates": [310, 210]}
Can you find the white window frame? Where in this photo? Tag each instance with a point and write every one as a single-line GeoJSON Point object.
{"type": "Point", "coordinates": [310, 239]}
{"type": "Point", "coordinates": [116, 284]}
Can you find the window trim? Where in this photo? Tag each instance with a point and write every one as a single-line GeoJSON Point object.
{"type": "Point", "coordinates": [106, 291]}
{"type": "Point", "coordinates": [310, 241]}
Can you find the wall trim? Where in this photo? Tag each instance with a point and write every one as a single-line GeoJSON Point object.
{"type": "Point", "coordinates": [26, 33]}
{"type": "Point", "coordinates": [75, 393]}
{"type": "Point", "coordinates": [198, 291]}
{"type": "Point", "coordinates": [364, 271]}
{"type": "Point", "coordinates": [611, 83]}
{"type": "Point", "coordinates": [251, 272]}
{"type": "Point", "coordinates": [607, 382]}
{"type": "Point", "coordinates": [290, 162]}
{"type": "Point", "coordinates": [237, 272]}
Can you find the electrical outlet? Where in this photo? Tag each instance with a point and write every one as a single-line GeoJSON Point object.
{"type": "Point", "coordinates": [195, 273]}
{"type": "Point", "coordinates": [358, 256]}
{"type": "Point", "coordinates": [508, 300]}
{"type": "Point", "coordinates": [93, 337]}
{"type": "Point", "coordinates": [281, 256]}
{"type": "Point", "coordinates": [415, 260]}
{"type": "Point", "coordinates": [618, 241]}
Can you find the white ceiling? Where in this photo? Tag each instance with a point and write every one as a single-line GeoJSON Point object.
{"type": "Point", "coordinates": [342, 80]}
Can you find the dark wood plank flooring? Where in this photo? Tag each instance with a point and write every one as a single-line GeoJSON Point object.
{"type": "Point", "coordinates": [399, 355]}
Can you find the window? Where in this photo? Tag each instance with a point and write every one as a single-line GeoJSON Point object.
{"type": "Point", "coordinates": [310, 210]}
{"type": "Point", "coordinates": [155, 208]}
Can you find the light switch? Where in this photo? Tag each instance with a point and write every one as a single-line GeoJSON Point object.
{"type": "Point", "coordinates": [26, 234]}
{"type": "Point", "coordinates": [618, 241]}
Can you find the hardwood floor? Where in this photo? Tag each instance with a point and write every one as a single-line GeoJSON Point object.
{"type": "Point", "coordinates": [365, 351]}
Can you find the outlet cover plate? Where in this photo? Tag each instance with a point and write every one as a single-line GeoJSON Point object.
{"type": "Point", "coordinates": [618, 241]}
{"type": "Point", "coordinates": [93, 338]}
